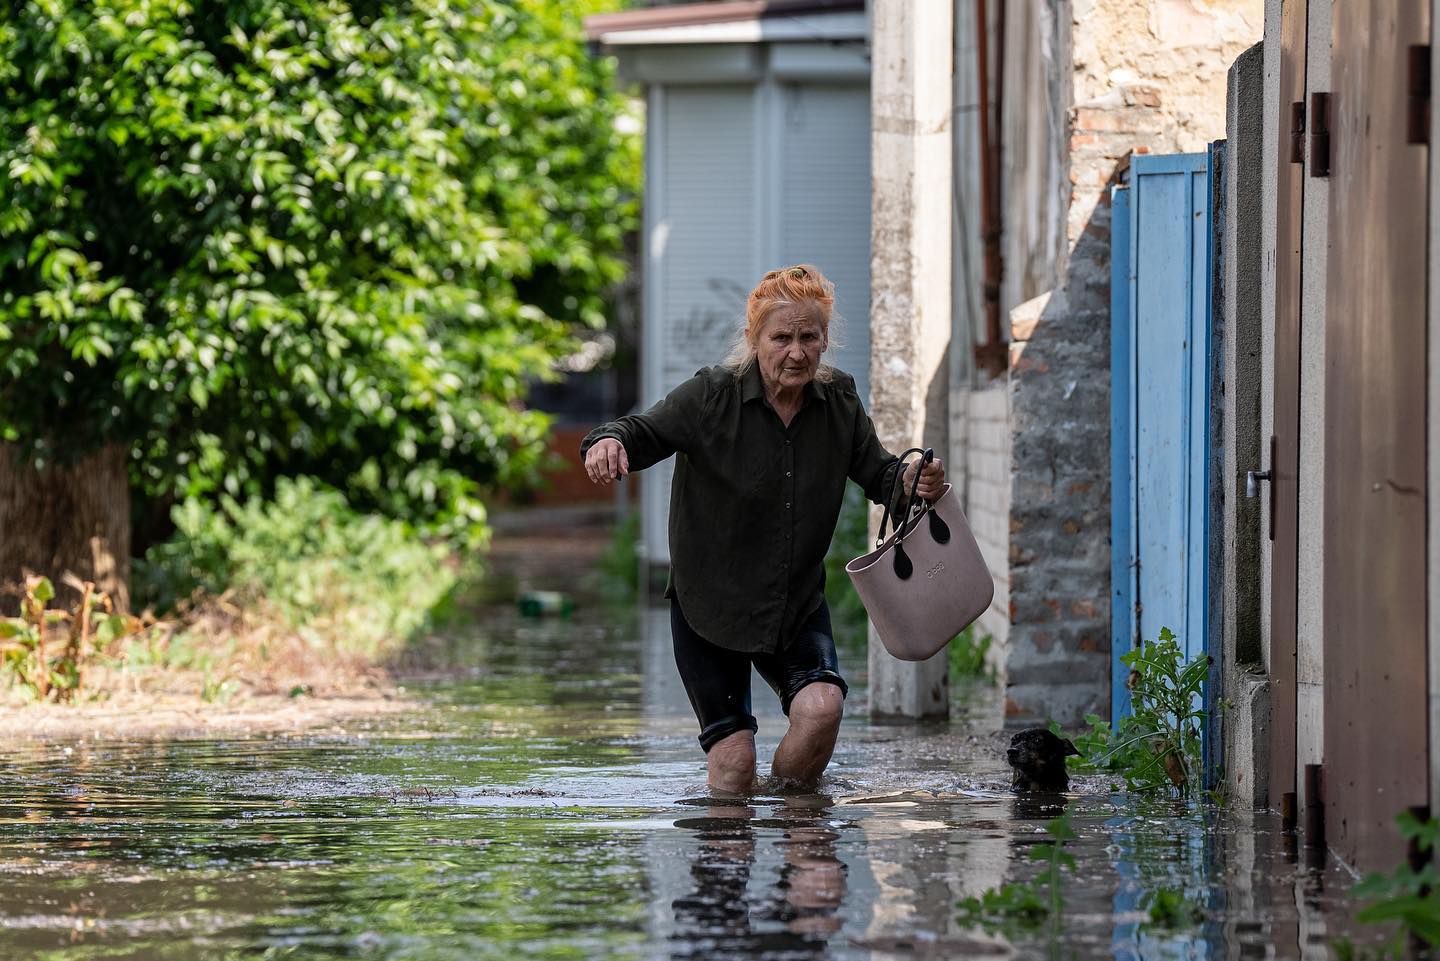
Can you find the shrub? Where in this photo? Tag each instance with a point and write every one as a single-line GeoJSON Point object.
{"type": "Point", "coordinates": [46, 652]}
{"type": "Point", "coordinates": [260, 238]}
{"type": "Point", "coordinates": [358, 582]}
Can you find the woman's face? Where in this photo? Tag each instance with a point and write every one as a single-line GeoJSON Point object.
{"type": "Point", "coordinates": [789, 346]}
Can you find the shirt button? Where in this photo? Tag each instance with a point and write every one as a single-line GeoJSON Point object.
{"type": "Point", "coordinates": [787, 473]}
{"type": "Point", "coordinates": [787, 505]}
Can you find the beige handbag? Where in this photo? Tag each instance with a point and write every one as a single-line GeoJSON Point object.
{"type": "Point", "coordinates": [927, 582]}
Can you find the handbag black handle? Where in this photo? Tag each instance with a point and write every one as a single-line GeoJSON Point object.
{"type": "Point", "coordinates": [939, 530]}
{"type": "Point", "coordinates": [926, 456]}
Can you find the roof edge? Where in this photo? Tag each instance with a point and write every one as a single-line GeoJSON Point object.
{"type": "Point", "coordinates": [698, 14]}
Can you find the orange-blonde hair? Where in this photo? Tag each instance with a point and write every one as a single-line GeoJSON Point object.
{"type": "Point", "coordinates": [782, 288]}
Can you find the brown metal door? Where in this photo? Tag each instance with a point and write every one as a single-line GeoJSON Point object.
{"type": "Point", "coordinates": [1375, 657]}
{"type": "Point", "coordinates": [1285, 451]}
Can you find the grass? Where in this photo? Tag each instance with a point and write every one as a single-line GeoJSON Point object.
{"type": "Point", "coordinates": [267, 596]}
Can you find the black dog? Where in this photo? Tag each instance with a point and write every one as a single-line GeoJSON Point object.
{"type": "Point", "coordinates": [1038, 758]}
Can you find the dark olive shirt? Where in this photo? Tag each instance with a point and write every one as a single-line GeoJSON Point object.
{"type": "Point", "coordinates": [754, 504]}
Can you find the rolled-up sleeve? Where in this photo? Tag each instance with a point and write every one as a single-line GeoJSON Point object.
{"type": "Point", "coordinates": [663, 430]}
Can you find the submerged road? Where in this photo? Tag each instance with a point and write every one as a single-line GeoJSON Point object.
{"type": "Point", "coordinates": [549, 802]}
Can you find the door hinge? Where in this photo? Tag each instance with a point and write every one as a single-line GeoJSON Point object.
{"type": "Point", "coordinates": [1297, 132]}
{"type": "Point", "coordinates": [1417, 95]}
{"type": "Point", "coordinates": [1319, 135]}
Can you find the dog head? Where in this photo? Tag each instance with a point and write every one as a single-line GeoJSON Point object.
{"type": "Point", "coordinates": [1038, 757]}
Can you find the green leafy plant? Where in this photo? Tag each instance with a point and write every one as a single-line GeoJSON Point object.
{"type": "Point", "coordinates": [852, 538]}
{"type": "Point", "coordinates": [1158, 744]}
{"type": "Point", "coordinates": [45, 651]}
{"type": "Point", "coordinates": [619, 564]}
{"type": "Point", "coordinates": [968, 653]}
{"type": "Point", "coordinates": [358, 582]}
{"type": "Point", "coordinates": [1408, 897]}
{"type": "Point", "coordinates": [215, 690]}
{"type": "Point", "coordinates": [1027, 904]}
{"type": "Point", "coordinates": [1171, 909]}
{"type": "Point", "coordinates": [251, 239]}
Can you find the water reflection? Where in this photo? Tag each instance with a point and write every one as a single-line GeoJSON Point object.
{"type": "Point", "coordinates": [794, 916]}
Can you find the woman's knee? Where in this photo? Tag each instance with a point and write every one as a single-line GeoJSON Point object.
{"type": "Point", "coordinates": [732, 760]}
{"type": "Point", "coordinates": [820, 704]}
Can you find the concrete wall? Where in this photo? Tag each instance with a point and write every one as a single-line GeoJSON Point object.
{"type": "Point", "coordinates": [1245, 725]}
{"type": "Point", "coordinates": [1249, 411]}
{"type": "Point", "coordinates": [912, 58]}
{"type": "Point", "coordinates": [1144, 76]}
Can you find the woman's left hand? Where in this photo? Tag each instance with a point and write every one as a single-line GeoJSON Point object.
{"type": "Point", "coordinates": [932, 479]}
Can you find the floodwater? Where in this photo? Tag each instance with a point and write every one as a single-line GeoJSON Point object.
{"type": "Point", "coordinates": [552, 804]}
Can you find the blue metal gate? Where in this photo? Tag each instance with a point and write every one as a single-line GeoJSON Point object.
{"type": "Point", "coordinates": [1160, 407]}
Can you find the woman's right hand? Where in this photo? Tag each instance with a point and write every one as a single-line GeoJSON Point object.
{"type": "Point", "coordinates": [606, 461]}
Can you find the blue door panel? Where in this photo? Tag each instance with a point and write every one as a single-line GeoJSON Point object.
{"type": "Point", "coordinates": [1160, 401]}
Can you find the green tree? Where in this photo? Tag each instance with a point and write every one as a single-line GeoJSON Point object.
{"type": "Point", "coordinates": [248, 239]}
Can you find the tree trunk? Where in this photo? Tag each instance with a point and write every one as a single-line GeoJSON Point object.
{"type": "Point", "coordinates": [72, 519]}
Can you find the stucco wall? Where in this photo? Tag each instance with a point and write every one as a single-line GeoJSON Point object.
{"type": "Point", "coordinates": [1147, 77]}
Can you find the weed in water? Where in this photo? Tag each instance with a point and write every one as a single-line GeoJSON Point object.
{"type": "Point", "coordinates": [619, 564]}
{"type": "Point", "coordinates": [1347, 950]}
{"type": "Point", "coordinates": [1027, 905]}
{"type": "Point", "coordinates": [1171, 909]}
{"type": "Point", "coordinates": [1158, 744]}
{"type": "Point", "coordinates": [1409, 896]}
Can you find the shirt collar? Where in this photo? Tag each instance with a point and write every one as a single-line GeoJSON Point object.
{"type": "Point", "coordinates": [752, 387]}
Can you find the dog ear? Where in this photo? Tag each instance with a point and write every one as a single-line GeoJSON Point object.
{"type": "Point", "coordinates": [1070, 748]}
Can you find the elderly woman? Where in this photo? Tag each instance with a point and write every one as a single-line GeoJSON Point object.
{"type": "Point", "coordinates": [764, 444]}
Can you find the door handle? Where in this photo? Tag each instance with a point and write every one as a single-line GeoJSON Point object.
{"type": "Point", "coordinates": [1253, 479]}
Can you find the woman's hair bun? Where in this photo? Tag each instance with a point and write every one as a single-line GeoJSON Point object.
{"type": "Point", "coordinates": [786, 286]}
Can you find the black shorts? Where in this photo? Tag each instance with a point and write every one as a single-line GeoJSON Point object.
{"type": "Point", "coordinates": [718, 680]}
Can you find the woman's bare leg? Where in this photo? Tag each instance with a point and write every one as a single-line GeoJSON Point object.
{"type": "Point", "coordinates": [731, 763]}
{"type": "Point", "coordinates": [814, 724]}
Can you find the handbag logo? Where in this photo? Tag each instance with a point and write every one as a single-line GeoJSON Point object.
{"type": "Point", "coordinates": [935, 570]}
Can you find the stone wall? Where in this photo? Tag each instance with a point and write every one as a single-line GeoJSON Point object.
{"type": "Point", "coordinates": [1143, 77]}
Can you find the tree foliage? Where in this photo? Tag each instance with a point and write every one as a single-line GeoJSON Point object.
{"type": "Point", "coordinates": [255, 238]}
